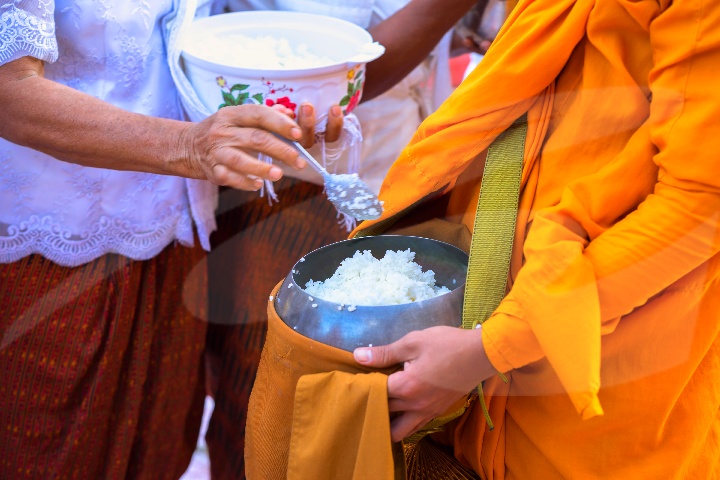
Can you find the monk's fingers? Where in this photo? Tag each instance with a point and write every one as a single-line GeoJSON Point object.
{"type": "Point", "coordinates": [387, 355]}
{"type": "Point", "coordinates": [400, 404]}
{"type": "Point", "coordinates": [334, 124]}
{"type": "Point", "coordinates": [397, 391]}
{"type": "Point", "coordinates": [306, 120]}
{"type": "Point", "coordinates": [408, 392]}
{"type": "Point", "coordinates": [406, 424]}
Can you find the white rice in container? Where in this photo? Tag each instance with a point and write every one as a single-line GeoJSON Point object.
{"type": "Point", "coordinates": [364, 280]}
{"type": "Point", "coordinates": [263, 52]}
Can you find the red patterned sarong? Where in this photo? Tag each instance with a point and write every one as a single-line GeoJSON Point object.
{"type": "Point", "coordinates": [255, 246]}
{"type": "Point", "coordinates": [100, 366]}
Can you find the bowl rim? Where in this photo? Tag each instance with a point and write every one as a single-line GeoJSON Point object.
{"type": "Point", "coordinates": [280, 73]}
{"type": "Point", "coordinates": [291, 274]}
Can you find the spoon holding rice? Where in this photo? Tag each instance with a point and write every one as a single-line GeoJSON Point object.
{"type": "Point", "coordinates": [347, 192]}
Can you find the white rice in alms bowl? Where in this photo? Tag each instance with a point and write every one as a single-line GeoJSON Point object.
{"type": "Point", "coordinates": [365, 280]}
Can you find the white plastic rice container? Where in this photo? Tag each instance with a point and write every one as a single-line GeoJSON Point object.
{"type": "Point", "coordinates": [221, 77]}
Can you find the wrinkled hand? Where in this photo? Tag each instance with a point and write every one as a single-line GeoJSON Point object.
{"type": "Point", "coordinates": [441, 364]}
{"type": "Point", "coordinates": [307, 120]}
{"type": "Point", "coordinates": [223, 147]}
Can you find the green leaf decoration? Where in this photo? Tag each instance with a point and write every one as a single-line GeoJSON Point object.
{"type": "Point", "coordinates": [350, 89]}
{"type": "Point", "coordinates": [359, 75]}
{"type": "Point", "coordinates": [239, 86]}
{"type": "Point", "coordinates": [259, 98]}
{"type": "Point", "coordinates": [242, 98]}
{"type": "Point", "coordinates": [229, 99]}
{"type": "Point", "coordinates": [222, 105]}
{"type": "Point", "coordinates": [345, 100]}
{"type": "Point", "coordinates": [358, 84]}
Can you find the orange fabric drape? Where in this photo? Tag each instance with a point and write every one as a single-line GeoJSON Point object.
{"type": "Point", "coordinates": [314, 412]}
{"type": "Point", "coordinates": [610, 330]}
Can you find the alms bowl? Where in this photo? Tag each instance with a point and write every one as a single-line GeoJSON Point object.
{"type": "Point", "coordinates": [339, 326]}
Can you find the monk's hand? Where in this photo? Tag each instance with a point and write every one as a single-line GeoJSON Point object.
{"type": "Point", "coordinates": [440, 365]}
{"type": "Point", "coordinates": [223, 148]}
{"type": "Point", "coordinates": [307, 119]}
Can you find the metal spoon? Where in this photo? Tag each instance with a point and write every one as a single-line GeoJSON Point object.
{"type": "Point", "coordinates": [347, 192]}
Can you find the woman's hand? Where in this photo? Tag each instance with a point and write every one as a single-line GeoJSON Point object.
{"type": "Point", "coordinates": [223, 147]}
{"type": "Point", "coordinates": [87, 131]}
{"type": "Point", "coordinates": [440, 365]}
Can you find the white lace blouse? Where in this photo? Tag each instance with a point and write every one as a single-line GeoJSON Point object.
{"type": "Point", "coordinates": [113, 50]}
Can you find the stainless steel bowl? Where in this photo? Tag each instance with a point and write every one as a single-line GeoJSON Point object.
{"type": "Point", "coordinates": [372, 325]}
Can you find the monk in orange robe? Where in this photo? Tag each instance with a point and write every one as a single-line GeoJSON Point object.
{"type": "Point", "coordinates": [609, 332]}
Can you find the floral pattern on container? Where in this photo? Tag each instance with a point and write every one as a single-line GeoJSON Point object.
{"type": "Point", "coordinates": [240, 94]}
{"type": "Point", "coordinates": [355, 85]}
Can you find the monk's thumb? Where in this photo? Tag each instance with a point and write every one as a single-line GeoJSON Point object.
{"type": "Point", "coordinates": [379, 357]}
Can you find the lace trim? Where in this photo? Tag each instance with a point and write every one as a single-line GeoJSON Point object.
{"type": "Point", "coordinates": [22, 33]}
{"type": "Point", "coordinates": [43, 236]}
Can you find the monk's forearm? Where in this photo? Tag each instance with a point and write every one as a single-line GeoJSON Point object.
{"type": "Point", "coordinates": [78, 128]}
{"type": "Point", "coordinates": [408, 37]}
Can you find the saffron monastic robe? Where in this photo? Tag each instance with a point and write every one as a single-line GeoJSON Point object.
{"type": "Point", "coordinates": [609, 332]}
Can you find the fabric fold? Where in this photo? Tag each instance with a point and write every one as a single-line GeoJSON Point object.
{"type": "Point", "coordinates": [349, 437]}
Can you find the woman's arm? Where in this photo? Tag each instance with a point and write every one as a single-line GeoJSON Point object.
{"type": "Point", "coordinates": [409, 36]}
{"type": "Point", "coordinates": [78, 128]}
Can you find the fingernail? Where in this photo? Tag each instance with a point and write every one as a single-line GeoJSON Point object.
{"type": "Point", "coordinates": [307, 110]}
{"type": "Point", "coordinates": [296, 133]}
{"type": "Point", "coordinates": [363, 355]}
{"type": "Point", "coordinates": [335, 111]}
{"type": "Point", "coordinates": [275, 173]}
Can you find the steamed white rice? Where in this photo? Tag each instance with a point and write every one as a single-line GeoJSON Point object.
{"type": "Point", "coordinates": [262, 52]}
{"type": "Point", "coordinates": [364, 280]}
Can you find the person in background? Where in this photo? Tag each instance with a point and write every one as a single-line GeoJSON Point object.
{"type": "Point", "coordinates": [609, 335]}
{"type": "Point", "coordinates": [105, 215]}
{"type": "Point", "coordinates": [256, 243]}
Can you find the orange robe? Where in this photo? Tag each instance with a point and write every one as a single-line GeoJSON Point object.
{"type": "Point", "coordinates": [610, 328]}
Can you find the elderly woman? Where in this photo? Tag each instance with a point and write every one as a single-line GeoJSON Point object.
{"type": "Point", "coordinates": [105, 212]}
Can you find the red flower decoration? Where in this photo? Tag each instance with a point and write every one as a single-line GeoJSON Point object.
{"type": "Point", "coordinates": [269, 102]}
{"type": "Point", "coordinates": [287, 103]}
{"type": "Point", "coordinates": [353, 102]}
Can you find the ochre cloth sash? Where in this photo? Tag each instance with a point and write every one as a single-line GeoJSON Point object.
{"type": "Point", "coordinates": [292, 390]}
{"type": "Point", "coordinates": [340, 427]}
